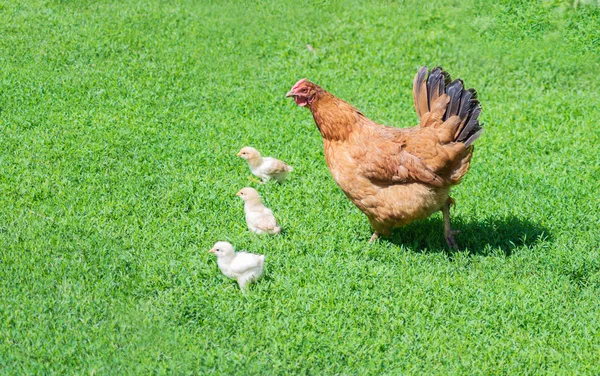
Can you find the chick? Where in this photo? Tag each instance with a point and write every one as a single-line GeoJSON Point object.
{"type": "Point", "coordinates": [244, 267]}
{"type": "Point", "coordinates": [265, 167]}
{"type": "Point", "coordinates": [259, 218]}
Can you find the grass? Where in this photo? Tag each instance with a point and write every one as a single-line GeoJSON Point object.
{"type": "Point", "coordinates": [119, 125]}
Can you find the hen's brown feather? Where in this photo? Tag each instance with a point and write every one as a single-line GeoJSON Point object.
{"type": "Point", "coordinates": [420, 92]}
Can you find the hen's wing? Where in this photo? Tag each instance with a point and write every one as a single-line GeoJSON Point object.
{"type": "Point", "coordinates": [402, 157]}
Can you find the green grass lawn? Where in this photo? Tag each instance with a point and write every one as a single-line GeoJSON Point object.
{"type": "Point", "coordinates": [119, 127]}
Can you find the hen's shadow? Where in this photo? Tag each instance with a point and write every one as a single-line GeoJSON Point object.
{"type": "Point", "coordinates": [481, 237]}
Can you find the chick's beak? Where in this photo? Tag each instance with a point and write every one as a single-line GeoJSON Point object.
{"type": "Point", "coordinates": [239, 154]}
{"type": "Point", "coordinates": [212, 250]}
{"type": "Point", "coordinates": [238, 194]}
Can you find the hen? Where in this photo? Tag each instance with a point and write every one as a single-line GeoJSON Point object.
{"type": "Point", "coordinates": [398, 175]}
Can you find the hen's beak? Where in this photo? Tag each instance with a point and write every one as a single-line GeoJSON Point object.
{"type": "Point", "coordinates": [212, 250]}
{"type": "Point", "coordinates": [290, 94]}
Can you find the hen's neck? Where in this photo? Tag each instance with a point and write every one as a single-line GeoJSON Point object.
{"type": "Point", "coordinates": [335, 118]}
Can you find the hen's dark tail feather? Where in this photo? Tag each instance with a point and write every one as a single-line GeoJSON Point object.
{"type": "Point", "coordinates": [462, 102]}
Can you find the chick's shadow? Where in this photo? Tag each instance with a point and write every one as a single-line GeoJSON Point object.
{"type": "Point", "coordinates": [479, 238]}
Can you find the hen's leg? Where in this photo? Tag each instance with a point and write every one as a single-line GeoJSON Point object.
{"type": "Point", "coordinates": [448, 231]}
{"type": "Point", "coordinates": [374, 237]}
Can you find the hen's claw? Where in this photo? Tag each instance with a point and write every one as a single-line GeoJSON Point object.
{"type": "Point", "coordinates": [449, 236]}
{"type": "Point", "coordinates": [448, 231]}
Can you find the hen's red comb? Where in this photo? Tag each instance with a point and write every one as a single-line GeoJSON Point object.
{"type": "Point", "coordinates": [298, 84]}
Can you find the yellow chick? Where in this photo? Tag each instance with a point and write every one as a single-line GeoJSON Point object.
{"type": "Point", "coordinates": [265, 167]}
{"type": "Point", "coordinates": [259, 218]}
{"type": "Point", "coordinates": [244, 267]}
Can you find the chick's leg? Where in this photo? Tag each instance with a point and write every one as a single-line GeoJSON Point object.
{"type": "Point", "coordinates": [242, 281]}
{"type": "Point", "coordinates": [448, 231]}
{"type": "Point", "coordinates": [255, 180]}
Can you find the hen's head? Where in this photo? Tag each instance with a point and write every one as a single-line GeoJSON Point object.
{"type": "Point", "coordinates": [304, 92]}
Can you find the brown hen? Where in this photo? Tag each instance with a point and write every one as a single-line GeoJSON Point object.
{"type": "Point", "coordinates": [398, 175]}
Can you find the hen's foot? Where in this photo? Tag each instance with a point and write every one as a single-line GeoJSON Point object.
{"type": "Point", "coordinates": [449, 236]}
{"type": "Point", "coordinates": [448, 231]}
{"type": "Point", "coordinates": [374, 237]}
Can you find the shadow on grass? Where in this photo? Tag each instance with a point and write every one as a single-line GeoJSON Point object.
{"type": "Point", "coordinates": [479, 238]}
